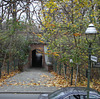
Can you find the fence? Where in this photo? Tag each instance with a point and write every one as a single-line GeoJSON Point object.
{"type": "Point", "coordinates": [8, 67]}
{"type": "Point", "coordinates": [70, 72]}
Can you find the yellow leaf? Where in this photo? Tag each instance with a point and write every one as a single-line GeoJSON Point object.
{"type": "Point", "coordinates": [34, 33]}
{"type": "Point", "coordinates": [39, 35]}
{"type": "Point", "coordinates": [14, 10]}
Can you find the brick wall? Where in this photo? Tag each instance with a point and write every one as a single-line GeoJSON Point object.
{"type": "Point", "coordinates": [37, 46]}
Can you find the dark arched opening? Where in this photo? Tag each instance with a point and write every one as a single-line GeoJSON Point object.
{"type": "Point", "coordinates": [36, 59]}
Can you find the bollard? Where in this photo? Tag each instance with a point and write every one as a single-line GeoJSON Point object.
{"type": "Point", "coordinates": [71, 75]}
{"type": "Point", "coordinates": [0, 72]}
{"type": "Point", "coordinates": [14, 65]}
{"type": "Point", "coordinates": [8, 67]}
{"type": "Point", "coordinates": [60, 69]}
{"type": "Point", "coordinates": [0, 69]}
{"type": "Point", "coordinates": [65, 70]}
{"type": "Point", "coordinates": [55, 66]}
{"type": "Point", "coordinates": [18, 63]}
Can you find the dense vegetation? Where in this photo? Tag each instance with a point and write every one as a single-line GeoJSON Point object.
{"type": "Point", "coordinates": [64, 23]}
{"type": "Point", "coordinates": [60, 23]}
{"type": "Point", "coordinates": [16, 27]}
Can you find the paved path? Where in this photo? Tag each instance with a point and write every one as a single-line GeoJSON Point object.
{"type": "Point", "coordinates": [30, 81]}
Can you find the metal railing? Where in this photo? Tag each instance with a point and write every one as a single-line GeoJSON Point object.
{"type": "Point", "coordinates": [8, 67]}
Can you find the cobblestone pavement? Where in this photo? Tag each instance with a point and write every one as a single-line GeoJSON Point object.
{"type": "Point", "coordinates": [29, 81]}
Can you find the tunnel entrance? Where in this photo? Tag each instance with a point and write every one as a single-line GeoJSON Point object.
{"type": "Point", "coordinates": [36, 59]}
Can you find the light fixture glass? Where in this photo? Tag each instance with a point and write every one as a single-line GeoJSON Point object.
{"type": "Point", "coordinates": [91, 33]}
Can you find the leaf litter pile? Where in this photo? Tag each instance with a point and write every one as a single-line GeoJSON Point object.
{"type": "Point", "coordinates": [48, 81]}
{"type": "Point", "coordinates": [60, 81]}
{"type": "Point", "coordinates": [5, 76]}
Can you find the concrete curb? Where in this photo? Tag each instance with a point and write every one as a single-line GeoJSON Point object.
{"type": "Point", "coordinates": [25, 92]}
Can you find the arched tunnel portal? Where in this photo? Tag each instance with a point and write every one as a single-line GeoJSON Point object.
{"type": "Point", "coordinates": [36, 59]}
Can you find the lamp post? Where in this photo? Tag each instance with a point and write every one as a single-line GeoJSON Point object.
{"type": "Point", "coordinates": [90, 37]}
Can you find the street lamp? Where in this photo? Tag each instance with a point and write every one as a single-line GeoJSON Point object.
{"type": "Point", "coordinates": [90, 37]}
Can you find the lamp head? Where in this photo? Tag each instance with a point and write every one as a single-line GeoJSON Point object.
{"type": "Point", "coordinates": [91, 30]}
{"type": "Point", "coordinates": [91, 33]}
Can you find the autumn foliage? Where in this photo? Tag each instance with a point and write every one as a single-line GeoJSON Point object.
{"type": "Point", "coordinates": [5, 76]}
